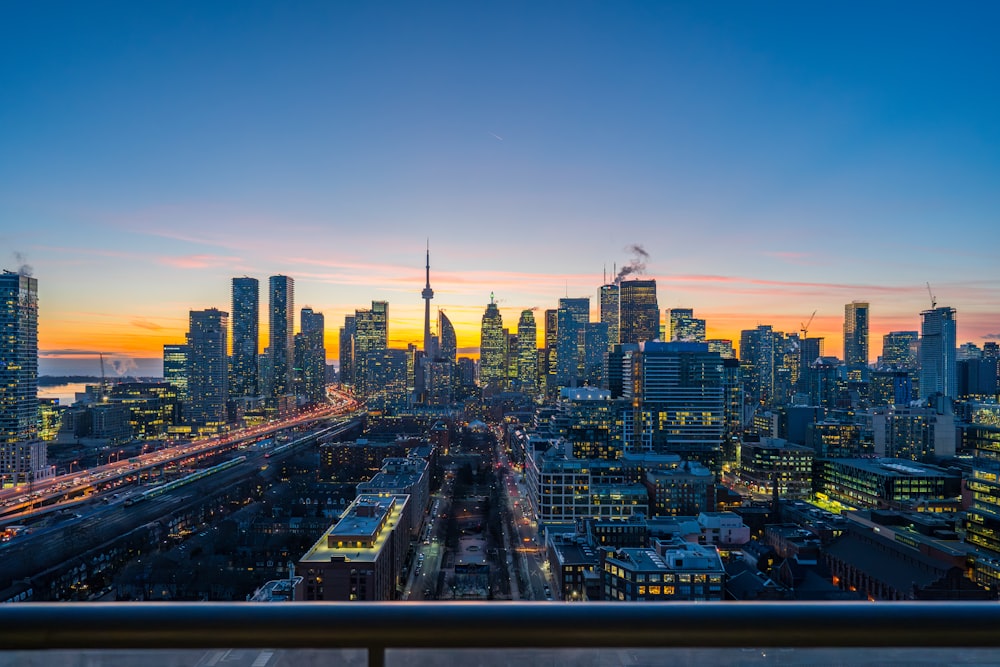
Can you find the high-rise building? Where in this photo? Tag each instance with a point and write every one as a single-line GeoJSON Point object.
{"type": "Point", "coordinates": [639, 315]}
{"type": "Point", "coordinates": [281, 335]}
{"type": "Point", "coordinates": [899, 350]}
{"type": "Point", "coordinates": [347, 333]}
{"type": "Point", "coordinates": [371, 334]}
{"type": "Point", "coordinates": [571, 336]}
{"type": "Point", "coordinates": [678, 402]}
{"type": "Point", "coordinates": [207, 370]}
{"type": "Point", "coordinates": [492, 345]}
{"type": "Point", "coordinates": [856, 334]}
{"type": "Point", "coordinates": [447, 340]}
{"type": "Point", "coordinates": [310, 354]}
{"type": "Point", "coordinates": [684, 326]}
{"type": "Point", "coordinates": [175, 369]}
{"type": "Point", "coordinates": [937, 352]}
{"type": "Point", "coordinates": [527, 353]}
{"type": "Point", "coordinates": [548, 369]}
{"type": "Point", "coordinates": [609, 312]}
{"type": "Point", "coordinates": [244, 375]}
{"type": "Point", "coordinates": [22, 455]}
{"type": "Point", "coordinates": [757, 365]}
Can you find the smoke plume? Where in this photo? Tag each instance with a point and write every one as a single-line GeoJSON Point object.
{"type": "Point", "coordinates": [23, 267]}
{"type": "Point", "coordinates": [636, 265]}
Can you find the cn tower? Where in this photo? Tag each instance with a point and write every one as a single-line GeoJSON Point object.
{"type": "Point", "coordinates": [427, 295]}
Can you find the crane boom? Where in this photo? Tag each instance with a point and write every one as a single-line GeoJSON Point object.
{"type": "Point", "coordinates": [933, 298]}
{"type": "Point", "coordinates": [805, 327]}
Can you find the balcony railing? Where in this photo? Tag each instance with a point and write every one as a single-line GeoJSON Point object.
{"type": "Point", "coordinates": [376, 627]}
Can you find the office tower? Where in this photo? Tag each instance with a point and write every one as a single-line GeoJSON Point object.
{"type": "Point", "coordinates": [639, 314]}
{"type": "Point", "coordinates": [899, 350]}
{"type": "Point", "coordinates": [510, 357]}
{"type": "Point", "coordinates": [757, 365]}
{"type": "Point", "coordinates": [551, 333]}
{"type": "Point", "coordinates": [175, 364]}
{"type": "Point", "coordinates": [595, 350]}
{"type": "Point", "coordinates": [527, 353]}
{"type": "Point", "coordinates": [678, 402]}
{"type": "Point", "coordinates": [22, 455]}
{"type": "Point", "coordinates": [448, 341]}
{"type": "Point", "coordinates": [427, 295]}
{"type": "Point", "coordinates": [347, 333]}
{"type": "Point", "coordinates": [244, 375]}
{"type": "Point", "coordinates": [810, 350]}
{"type": "Point", "coordinates": [207, 370]}
{"type": "Point", "coordinates": [609, 312]}
{"type": "Point", "coordinates": [937, 352]}
{"type": "Point", "coordinates": [281, 335]}
{"type": "Point", "coordinates": [492, 345]}
{"type": "Point", "coordinates": [310, 353]}
{"type": "Point", "coordinates": [385, 380]}
{"type": "Point", "coordinates": [856, 334]}
{"type": "Point", "coordinates": [684, 326]}
{"type": "Point", "coordinates": [571, 337]}
{"type": "Point", "coordinates": [371, 334]}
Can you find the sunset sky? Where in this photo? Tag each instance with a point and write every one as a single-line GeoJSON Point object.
{"type": "Point", "coordinates": [773, 159]}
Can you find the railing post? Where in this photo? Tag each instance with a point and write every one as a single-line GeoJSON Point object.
{"type": "Point", "coordinates": [376, 656]}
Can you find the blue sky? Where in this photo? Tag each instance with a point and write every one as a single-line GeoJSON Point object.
{"type": "Point", "coordinates": [772, 158]}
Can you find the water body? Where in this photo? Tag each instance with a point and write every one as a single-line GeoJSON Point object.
{"type": "Point", "coordinates": [66, 393]}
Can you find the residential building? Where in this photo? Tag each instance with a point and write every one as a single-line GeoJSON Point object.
{"type": "Point", "coordinates": [244, 376]}
{"type": "Point", "coordinates": [938, 352]}
{"type": "Point", "coordinates": [281, 336]}
{"type": "Point", "coordinates": [207, 370]}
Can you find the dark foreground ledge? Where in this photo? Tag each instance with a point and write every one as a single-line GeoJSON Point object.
{"type": "Point", "coordinates": [382, 626]}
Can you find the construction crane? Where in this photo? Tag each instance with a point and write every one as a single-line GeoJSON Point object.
{"type": "Point", "coordinates": [805, 327]}
{"type": "Point", "coordinates": [933, 298]}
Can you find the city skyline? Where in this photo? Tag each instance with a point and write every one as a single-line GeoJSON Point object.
{"type": "Point", "coordinates": [766, 170]}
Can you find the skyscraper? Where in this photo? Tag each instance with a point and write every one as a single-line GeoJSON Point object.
{"type": "Point", "coordinates": [639, 315]}
{"type": "Point", "coordinates": [856, 334]}
{"type": "Point", "coordinates": [371, 334]}
{"type": "Point", "coordinates": [609, 312]}
{"type": "Point", "coordinates": [492, 344]}
{"type": "Point", "coordinates": [22, 456]}
{"type": "Point", "coordinates": [347, 333]}
{"type": "Point", "coordinates": [527, 354]}
{"type": "Point", "coordinates": [937, 352]}
{"type": "Point", "coordinates": [574, 333]}
{"type": "Point", "coordinates": [207, 370]}
{"type": "Point", "coordinates": [448, 341]}
{"type": "Point", "coordinates": [281, 335]}
{"type": "Point", "coordinates": [310, 354]}
{"type": "Point", "coordinates": [757, 365]}
{"type": "Point", "coordinates": [243, 372]}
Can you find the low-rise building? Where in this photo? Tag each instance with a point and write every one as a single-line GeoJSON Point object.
{"type": "Point", "coordinates": [667, 571]}
{"type": "Point", "coordinates": [360, 558]}
{"type": "Point", "coordinates": [889, 484]}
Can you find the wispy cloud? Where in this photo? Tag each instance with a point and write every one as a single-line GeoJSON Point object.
{"type": "Point", "coordinates": [146, 324]}
{"type": "Point", "coordinates": [200, 261]}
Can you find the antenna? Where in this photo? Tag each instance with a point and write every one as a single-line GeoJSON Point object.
{"type": "Point", "coordinates": [933, 298]}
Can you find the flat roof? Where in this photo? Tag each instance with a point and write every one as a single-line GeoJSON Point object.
{"type": "Point", "coordinates": [351, 524]}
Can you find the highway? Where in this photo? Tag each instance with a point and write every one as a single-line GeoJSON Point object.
{"type": "Point", "coordinates": [67, 491]}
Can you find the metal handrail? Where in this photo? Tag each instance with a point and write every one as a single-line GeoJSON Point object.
{"type": "Point", "coordinates": [443, 625]}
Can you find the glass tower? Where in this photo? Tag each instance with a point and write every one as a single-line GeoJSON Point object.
{"type": "Point", "coordinates": [281, 335]}
{"type": "Point", "coordinates": [243, 373]}
{"type": "Point", "coordinates": [639, 317]}
{"type": "Point", "coordinates": [938, 352]}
